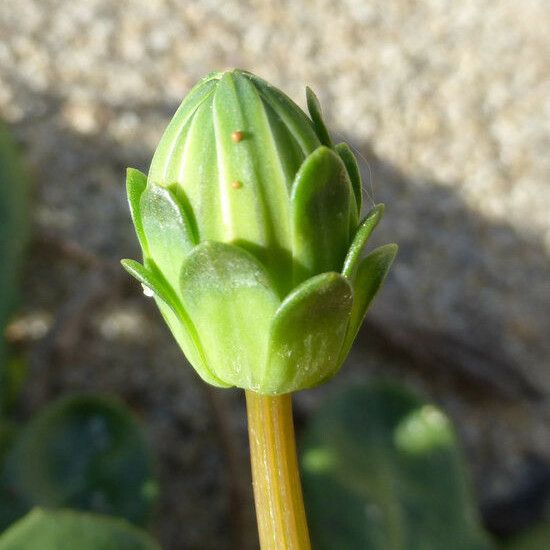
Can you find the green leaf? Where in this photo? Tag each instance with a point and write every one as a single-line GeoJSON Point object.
{"type": "Point", "coordinates": [69, 530]}
{"type": "Point", "coordinates": [175, 315]}
{"type": "Point", "coordinates": [354, 174]}
{"type": "Point", "coordinates": [85, 452]}
{"type": "Point", "coordinates": [382, 471]}
{"type": "Point", "coordinates": [307, 333]}
{"type": "Point", "coordinates": [7, 432]}
{"type": "Point", "coordinates": [15, 226]}
{"type": "Point", "coordinates": [320, 209]}
{"type": "Point", "coordinates": [14, 234]}
{"type": "Point", "coordinates": [370, 275]}
{"type": "Point", "coordinates": [361, 236]}
{"type": "Point", "coordinates": [314, 108]}
{"type": "Point", "coordinates": [535, 538]}
{"type": "Point", "coordinates": [12, 505]}
{"type": "Point", "coordinates": [136, 182]}
{"type": "Point", "coordinates": [14, 373]}
{"type": "Point", "coordinates": [228, 295]}
{"type": "Point", "coordinates": [167, 229]}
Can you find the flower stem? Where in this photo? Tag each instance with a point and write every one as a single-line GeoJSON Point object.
{"type": "Point", "coordinates": [280, 510]}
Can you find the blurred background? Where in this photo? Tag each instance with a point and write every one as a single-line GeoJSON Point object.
{"type": "Point", "coordinates": [447, 105]}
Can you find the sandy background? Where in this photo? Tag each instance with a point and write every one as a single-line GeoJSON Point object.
{"type": "Point", "coordinates": [448, 104]}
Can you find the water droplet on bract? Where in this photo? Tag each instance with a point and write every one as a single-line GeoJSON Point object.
{"type": "Point", "coordinates": [147, 291]}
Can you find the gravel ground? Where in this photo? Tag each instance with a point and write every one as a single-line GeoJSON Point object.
{"type": "Point", "coordinates": [448, 104]}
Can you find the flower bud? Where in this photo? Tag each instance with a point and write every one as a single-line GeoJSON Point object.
{"type": "Point", "coordinates": [248, 223]}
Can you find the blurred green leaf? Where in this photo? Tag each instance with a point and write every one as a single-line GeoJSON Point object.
{"type": "Point", "coordinates": [382, 470]}
{"type": "Point", "coordinates": [14, 231]}
{"type": "Point", "coordinates": [12, 506]}
{"type": "Point", "coordinates": [83, 452]}
{"type": "Point", "coordinates": [14, 370]}
{"type": "Point", "coordinates": [14, 226]}
{"type": "Point", "coordinates": [536, 538]}
{"type": "Point", "coordinates": [6, 437]}
{"type": "Point", "coordinates": [69, 530]}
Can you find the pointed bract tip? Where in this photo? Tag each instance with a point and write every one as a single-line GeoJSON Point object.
{"type": "Point", "coordinates": [127, 264]}
{"type": "Point", "coordinates": [390, 249]}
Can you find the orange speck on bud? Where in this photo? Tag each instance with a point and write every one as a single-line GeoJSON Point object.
{"type": "Point", "coordinates": [236, 184]}
{"type": "Point", "coordinates": [237, 136]}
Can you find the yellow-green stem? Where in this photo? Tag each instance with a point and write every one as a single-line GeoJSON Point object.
{"type": "Point", "coordinates": [280, 510]}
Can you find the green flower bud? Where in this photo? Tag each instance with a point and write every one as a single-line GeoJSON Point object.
{"type": "Point", "coordinates": [248, 222]}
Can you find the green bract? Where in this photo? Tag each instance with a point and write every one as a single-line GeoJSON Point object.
{"type": "Point", "coordinates": [249, 226]}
